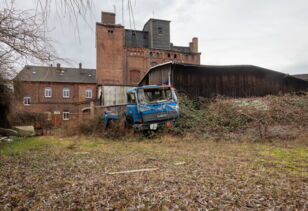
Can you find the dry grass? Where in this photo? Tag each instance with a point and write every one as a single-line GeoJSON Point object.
{"type": "Point", "coordinates": [50, 173]}
{"type": "Point", "coordinates": [283, 117]}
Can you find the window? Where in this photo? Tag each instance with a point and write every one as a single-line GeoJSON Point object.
{"type": "Point", "coordinates": [66, 115]}
{"type": "Point", "coordinates": [153, 95]}
{"type": "Point", "coordinates": [27, 100]}
{"type": "Point", "coordinates": [175, 56]}
{"type": "Point", "coordinates": [66, 92]}
{"type": "Point", "coordinates": [160, 30]}
{"type": "Point", "coordinates": [110, 31]}
{"type": "Point", "coordinates": [169, 55]}
{"type": "Point", "coordinates": [48, 92]}
{"type": "Point", "coordinates": [88, 93]}
{"type": "Point", "coordinates": [131, 99]}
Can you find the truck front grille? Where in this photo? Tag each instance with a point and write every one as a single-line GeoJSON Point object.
{"type": "Point", "coordinates": [159, 116]}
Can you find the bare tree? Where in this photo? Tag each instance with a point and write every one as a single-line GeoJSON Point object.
{"type": "Point", "coordinates": [22, 38]}
{"type": "Point", "coordinates": [23, 32]}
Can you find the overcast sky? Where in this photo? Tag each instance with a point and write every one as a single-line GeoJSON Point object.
{"type": "Point", "coordinates": [267, 33]}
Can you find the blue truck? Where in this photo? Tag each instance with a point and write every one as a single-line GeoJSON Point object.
{"type": "Point", "coordinates": [148, 108]}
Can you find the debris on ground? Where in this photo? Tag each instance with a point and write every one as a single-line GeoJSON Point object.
{"type": "Point", "coordinates": [133, 171]}
{"type": "Point", "coordinates": [25, 130]}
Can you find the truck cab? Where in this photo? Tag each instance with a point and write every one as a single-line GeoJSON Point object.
{"type": "Point", "coordinates": [151, 107]}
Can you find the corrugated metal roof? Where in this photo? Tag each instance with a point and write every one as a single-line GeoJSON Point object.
{"type": "Point", "coordinates": [51, 74]}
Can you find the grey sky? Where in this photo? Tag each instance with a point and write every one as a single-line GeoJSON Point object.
{"type": "Point", "coordinates": [267, 33]}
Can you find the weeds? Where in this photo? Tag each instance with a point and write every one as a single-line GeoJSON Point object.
{"type": "Point", "coordinates": [210, 176]}
{"type": "Point", "coordinates": [251, 116]}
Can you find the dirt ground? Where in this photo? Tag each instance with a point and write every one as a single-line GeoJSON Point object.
{"type": "Point", "coordinates": [50, 173]}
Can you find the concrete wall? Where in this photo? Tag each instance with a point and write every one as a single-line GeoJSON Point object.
{"type": "Point", "coordinates": [159, 33]}
{"type": "Point", "coordinates": [110, 95]}
{"type": "Point", "coordinates": [136, 39]}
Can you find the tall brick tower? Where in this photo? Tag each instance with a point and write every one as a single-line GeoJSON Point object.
{"type": "Point", "coordinates": [109, 50]}
{"type": "Point", "coordinates": [124, 55]}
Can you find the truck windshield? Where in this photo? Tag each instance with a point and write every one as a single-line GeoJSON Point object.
{"type": "Point", "coordinates": [154, 95]}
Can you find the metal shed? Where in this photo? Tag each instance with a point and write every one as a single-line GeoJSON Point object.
{"type": "Point", "coordinates": [232, 80]}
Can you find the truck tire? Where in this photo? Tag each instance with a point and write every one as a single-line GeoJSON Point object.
{"type": "Point", "coordinates": [129, 122]}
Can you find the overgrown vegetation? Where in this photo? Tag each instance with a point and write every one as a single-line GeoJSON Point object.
{"type": "Point", "coordinates": [259, 117]}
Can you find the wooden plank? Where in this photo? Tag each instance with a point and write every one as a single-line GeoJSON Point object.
{"type": "Point", "coordinates": [133, 171]}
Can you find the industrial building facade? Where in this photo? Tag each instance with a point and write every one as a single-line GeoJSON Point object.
{"type": "Point", "coordinates": [123, 55]}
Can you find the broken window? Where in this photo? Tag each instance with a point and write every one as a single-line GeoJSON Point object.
{"type": "Point", "coordinates": [65, 115]}
{"type": "Point", "coordinates": [66, 92]}
{"type": "Point", "coordinates": [154, 95]}
{"type": "Point", "coordinates": [48, 92]}
{"type": "Point", "coordinates": [27, 100]}
{"type": "Point", "coordinates": [160, 30]}
{"type": "Point", "coordinates": [131, 98]}
{"type": "Point", "coordinates": [88, 93]}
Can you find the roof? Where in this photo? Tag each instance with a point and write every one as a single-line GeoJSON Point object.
{"type": "Point", "coordinates": [301, 76]}
{"type": "Point", "coordinates": [50, 74]}
{"type": "Point", "coordinates": [224, 68]}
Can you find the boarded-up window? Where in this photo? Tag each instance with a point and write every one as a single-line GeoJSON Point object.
{"type": "Point", "coordinates": [134, 76]}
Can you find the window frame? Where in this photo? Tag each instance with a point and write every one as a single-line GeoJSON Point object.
{"type": "Point", "coordinates": [65, 115]}
{"type": "Point", "coordinates": [29, 100]}
{"type": "Point", "coordinates": [66, 90]}
{"type": "Point", "coordinates": [48, 90]}
{"type": "Point", "coordinates": [89, 90]}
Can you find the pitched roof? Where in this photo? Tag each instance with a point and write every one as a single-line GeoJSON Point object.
{"type": "Point", "coordinates": [51, 74]}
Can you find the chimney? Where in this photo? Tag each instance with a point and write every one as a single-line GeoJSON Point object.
{"type": "Point", "coordinates": [194, 45]}
{"type": "Point", "coordinates": [108, 18]}
{"type": "Point", "coordinates": [80, 65]}
{"type": "Point", "coordinates": [58, 68]}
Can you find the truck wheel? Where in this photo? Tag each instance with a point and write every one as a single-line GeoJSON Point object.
{"type": "Point", "coordinates": [129, 122]}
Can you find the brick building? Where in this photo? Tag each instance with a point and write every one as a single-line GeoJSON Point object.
{"type": "Point", "coordinates": [64, 94]}
{"type": "Point", "coordinates": [124, 55]}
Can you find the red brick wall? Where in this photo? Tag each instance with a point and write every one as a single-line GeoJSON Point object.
{"type": "Point", "coordinates": [108, 18]}
{"type": "Point", "coordinates": [41, 104]}
{"type": "Point", "coordinates": [141, 59]}
{"type": "Point", "coordinates": [109, 54]}
{"type": "Point", "coordinates": [116, 64]}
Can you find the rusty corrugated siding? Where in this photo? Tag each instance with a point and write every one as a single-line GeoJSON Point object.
{"type": "Point", "coordinates": [232, 81]}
